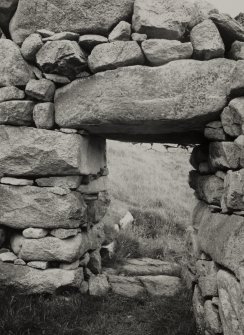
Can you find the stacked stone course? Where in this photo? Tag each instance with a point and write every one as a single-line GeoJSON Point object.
{"type": "Point", "coordinates": [73, 75]}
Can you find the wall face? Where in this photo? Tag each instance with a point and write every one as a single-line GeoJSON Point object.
{"type": "Point", "coordinates": [75, 73]}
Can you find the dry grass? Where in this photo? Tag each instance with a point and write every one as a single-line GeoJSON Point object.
{"type": "Point", "coordinates": [154, 185]}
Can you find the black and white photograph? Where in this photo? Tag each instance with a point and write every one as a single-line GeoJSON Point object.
{"type": "Point", "coordinates": [121, 167]}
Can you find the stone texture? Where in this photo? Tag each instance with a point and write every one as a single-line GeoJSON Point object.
{"type": "Point", "coordinates": [232, 117]}
{"type": "Point", "coordinates": [62, 233]}
{"type": "Point", "coordinates": [79, 16]}
{"type": "Point", "coordinates": [239, 142]}
{"type": "Point", "coordinates": [65, 58]}
{"type": "Point", "coordinates": [69, 266]}
{"type": "Point", "coordinates": [237, 51]}
{"type": "Point", "coordinates": [85, 259]}
{"type": "Point", "coordinates": [211, 314]}
{"type": "Point", "coordinates": [19, 261]}
{"type": "Point", "coordinates": [201, 11]}
{"type": "Point", "coordinates": [207, 42]}
{"type": "Point", "coordinates": [121, 32]}
{"type": "Point", "coordinates": [57, 78]}
{"type": "Point", "coordinates": [229, 27]}
{"type": "Point", "coordinates": [11, 93]}
{"type": "Point", "coordinates": [50, 249]}
{"type": "Point", "coordinates": [221, 237]}
{"type": "Point", "coordinates": [43, 115]}
{"type": "Point", "coordinates": [165, 286]}
{"type": "Point", "coordinates": [138, 37]}
{"type": "Point", "coordinates": [29, 281]}
{"type": "Point", "coordinates": [88, 42]}
{"type": "Point", "coordinates": [30, 206]}
{"type": "Point", "coordinates": [208, 286]}
{"type": "Point", "coordinates": [38, 265]}
{"type": "Point", "coordinates": [98, 286]}
{"type": "Point", "coordinates": [16, 181]}
{"type": "Point", "coordinates": [95, 262]}
{"type": "Point", "coordinates": [224, 155]}
{"type": "Point", "coordinates": [111, 104]}
{"type": "Point", "coordinates": [8, 257]}
{"type": "Point", "coordinates": [234, 190]}
{"type": "Point", "coordinates": [16, 113]}
{"type": "Point", "coordinates": [208, 188]}
{"type": "Point", "coordinates": [214, 131]}
{"type": "Point", "coordinates": [198, 308]}
{"type": "Point", "coordinates": [230, 304]}
{"type": "Point", "coordinates": [147, 266]}
{"type": "Point", "coordinates": [42, 89]}
{"type": "Point", "coordinates": [126, 286]}
{"type": "Point", "coordinates": [14, 70]}
{"type": "Point", "coordinates": [160, 51]}
{"type": "Point", "coordinates": [7, 9]}
{"type": "Point", "coordinates": [237, 84]}
{"type": "Point", "coordinates": [35, 233]}
{"type": "Point", "coordinates": [162, 19]}
{"type": "Point", "coordinates": [31, 45]}
{"type": "Point", "coordinates": [95, 186]}
{"type": "Point", "coordinates": [109, 56]}
{"type": "Point", "coordinates": [72, 182]}
{"type": "Point", "coordinates": [38, 152]}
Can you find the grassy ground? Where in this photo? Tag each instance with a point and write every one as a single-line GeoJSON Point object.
{"type": "Point", "coordinates": [153, 185]}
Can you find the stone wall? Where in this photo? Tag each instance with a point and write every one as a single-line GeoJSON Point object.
{"type": "Point", "coordinates": [77, 72]}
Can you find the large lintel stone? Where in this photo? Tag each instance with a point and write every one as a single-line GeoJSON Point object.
{"type": "Point", "coordinates": [31, 152]}
{"type": "Point", "coordinates": [176, 98]}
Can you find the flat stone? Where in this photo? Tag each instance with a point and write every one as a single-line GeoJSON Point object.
{"type": "Point", "coordinates": [16, 113]}
{"type": "Point", "coordinates": [160, 51]}
{"type": "Point", "coordinates": [138, 37]}
{"type": "Point", "coordinates": [234, 190]}
{"type": "Point", "coordinates": [38, 265]}
{"type": "Point", "coordinates": [207, 42]}
{"type": "Point", "coordinates": [65, 58]}
{"type": "Point", "coordinates": [221, 236]}
{"type": "Point", "coordinates": [11, 93]}
{"type": "Point", "coordinates": [71, 266]}
{"type": "Point", "coordinates": [42, 89]}
{"type": "Point", "coordinates": [121, 32]}
{"type": "Point", "coordinates": [7, 9]}
{"type": "Point", "coordinates": [110, 104]}
{"type": "Point", "coordinates": [211, 314]}
{"type": "Point", "coordinates": [165, 286]}
{"type": "Point", "coordinates": [68, 131]}
{"type": "Point", "coordinates": [162, 19]}
{"type": "Point", "coordinates": [45, 32]}
{"type": "Point", "coordinates": [30, 281]}
{"type": "Point", "coordinates": [43, 115]}
{"type": "Point", "coordinates": [88, 42]}
{"type": "Point", "coordinates": [57, 79]}
{"type": "Point", "coordinates": [224, 155]}
{"type": "Point", "coordinates": [16, 181]}
{"type": "Point", "coordinates": [95, 262]}
{"type": "Point", "coordinates": [62, 233]}
{"type": "Point", "coordinates": [230, 304]}
{"type": "Point", "coordinates": [36, 207]}
{"type": "Point", "coordinates": [35, 233]}
{"type": "Point", "coordinates": [95, 186]}
{"type": "Point", "coordinates": [19, 261]}
{"type": "Point", "coordinates": [8, 257]}
{"type": "Point", "coordinates": [126, 286]}
{"type": "Point", "coordinates": [147, 266]}
{"type": "Point", "coordinates": [38, 152]}
{"type": "Point", "coordinates": [237, 51]}
{"type": "Point", "coordinates": [64, 35]}
{"type": "Point", "coordinates": [208, 188]}
{"type": "Point", "coordinates": [98, 286]}
{"type": "Point", "coordinates": [13, 68]}
{"type": "Point", "coordinates": [232, 117]}
{"type": "Point", "coordinates": [228, 27]}
{"type": "Point", "coordinates": [214, 131]}
{"type": "Point", "coordinates": [71, 182]}
{"type": "Point", "coordinates": [50, 249]}
{"type": "Point", "coordinates": [89, 17]}
{"type": "Point", "coordinates": [31, 45]}
{"type": "Point", "coordinates": [109, 56]}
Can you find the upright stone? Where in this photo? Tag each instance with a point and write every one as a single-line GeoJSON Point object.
{"type": "Point", "coordinates": [13, 68]}
{"type": "Point", "coordinates": [232, 117]}
{"type": "Point", "coordinates": [79, 16]}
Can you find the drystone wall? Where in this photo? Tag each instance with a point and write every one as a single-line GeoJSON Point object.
{"type": "Point", "coordinates": [73, 73]}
